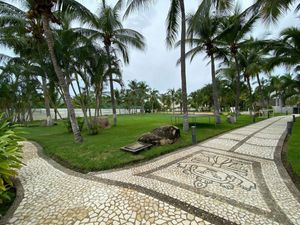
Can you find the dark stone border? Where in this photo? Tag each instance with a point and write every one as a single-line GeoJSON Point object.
{"type": "Point", "coordinates": [282, 170]}
{"type": "Point", "coordinates": [295, 178]}
{"type": "Point", "coordinates": [19, 196]}
{"type": "Point", "coordinates": [240, 143]}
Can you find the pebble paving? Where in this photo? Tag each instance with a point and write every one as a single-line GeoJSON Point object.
{"type": "Point", "coordinates": [235, 178]}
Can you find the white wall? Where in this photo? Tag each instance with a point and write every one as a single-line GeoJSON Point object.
{"type": "Point", "coordinates": [40, 114]}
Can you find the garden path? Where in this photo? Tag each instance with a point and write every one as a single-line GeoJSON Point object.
{"type": "Point", "coordinates": [234, 178]}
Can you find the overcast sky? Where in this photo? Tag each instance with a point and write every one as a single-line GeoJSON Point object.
{"type": "Point", "coordinates": [157, 64]}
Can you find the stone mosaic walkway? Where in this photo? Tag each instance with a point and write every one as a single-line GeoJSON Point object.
{"type": "Point", "coordinates": [235, 178]}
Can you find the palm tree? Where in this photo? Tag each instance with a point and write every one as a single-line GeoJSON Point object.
{"type": "Point", "coordinates": [39, 17]}
{"type": "Point", "coordinates": [286, 49]}
{"type": "Point", "coordinates": [203, 36]}
{"type": "Point", "coordinates": [235, 28]}
{"type": "Point", "coordinates": [176, 13]}
{"type": "Point", "coordinates": [153, 98]}
{"type": "Point", "coordinates": [172, 94]}
{"type": "Point", "coordinates": [109, 29]}
{"type": "Point", "coordinates": [143, 93]}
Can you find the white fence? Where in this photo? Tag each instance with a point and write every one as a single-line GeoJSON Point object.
{"type": "Point", "coordinates": [40, 114]}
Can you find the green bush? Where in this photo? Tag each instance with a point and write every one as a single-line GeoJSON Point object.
{"type": "Point", "coordinates": [10, 157]}
{"type": "Point", "coordinates": [80, 122]}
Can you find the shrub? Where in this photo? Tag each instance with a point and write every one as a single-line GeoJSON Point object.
{"type": "Point", "coordinates": [80, 122]}
{"type": "Point", "coordinates": [10, 157]}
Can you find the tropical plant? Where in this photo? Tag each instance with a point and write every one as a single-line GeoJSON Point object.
{"type": "Point", "coordinates": [10, 157]}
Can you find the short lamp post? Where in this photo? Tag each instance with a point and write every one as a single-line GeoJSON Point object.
{"type": "Point", "coordinates": [194, 138]}
{"type": "Point", "coordinates": [289, 127]}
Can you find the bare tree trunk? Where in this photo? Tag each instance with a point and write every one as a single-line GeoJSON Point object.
{"type": "Point", "coordinates": [238, 87]}
{"type": "Point", "coordinates": [112, 91]}
{"type": "Point", "coordinates": [251, 97]}
{"type": "Point", "coordinates": [260, 91]}
{"type": "Point", "coordinates": [215, 91]}
{"type": "Point", "coordinates": [82, 105]}
{"type": "Point", "coordinates": [183, 67]}
{"type": "Point", "coordinates": [49, 121]}
{"type": "Point", "coordinates": [61, 79]}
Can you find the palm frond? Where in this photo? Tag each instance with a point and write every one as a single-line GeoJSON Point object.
{"type": "Point", "coordinates": [133, 5]}
{"type": "Point", "coordinates": [172, 22]}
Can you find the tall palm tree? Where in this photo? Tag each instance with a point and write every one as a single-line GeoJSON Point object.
{"type": "Point", "coordinates": [253, 62]}
{"type": "Point", "coordinates": [177, 13]}
{"type": "Point", "coordinates": [109, 29]}
{"type": "Point", "coordinates": [203, 36]}
{"type": "Point", "coordinates": [235, 28]}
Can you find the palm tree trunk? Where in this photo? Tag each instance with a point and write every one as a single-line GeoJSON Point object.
{"type": "Point", "coordinates": [183, 67]}
{"type": "Point", "coordinates": [250, 93]}
{"type": "Point", "coordinates": [260, 91]}
{"type": "Point", "coordinates": [111, 84]}
{"type": "Point", "coordinates": [215, 90]}
{"type": "Point", "coordinates": [61, 79]}
{"type": "Point", "coordinates": [238, 87]}
{"type": "Point", "coordinates": [49, 121]}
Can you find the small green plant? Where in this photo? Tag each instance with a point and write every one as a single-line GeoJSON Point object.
{"type": "Point", "coordinates": [10, 157]}
{"type": "Point", "coordinates": [80, 122]}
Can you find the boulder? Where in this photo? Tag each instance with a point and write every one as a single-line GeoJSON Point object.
{"type": "Point", "coordinates": [161, 136]}
{"type": "Point", "coordinates": [167, 132]}
{"type": "Point", "coordinates": [150, 138]}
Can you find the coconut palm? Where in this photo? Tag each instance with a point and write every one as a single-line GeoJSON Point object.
{"type": "Point", "coordinates": [108, 28]}
{"type": "Point", "coordinates": [235, 28]}
{"type": "Point", "coordinates": [153, 98]}
{"type": "Point", "coordinates": [286, 49]}
{"type": "Point", "coordinates": [176, 20]}
{"type": "Point", "coordinates": [172, 94]}
{"type": "Point", "coordinates": [203, 36]}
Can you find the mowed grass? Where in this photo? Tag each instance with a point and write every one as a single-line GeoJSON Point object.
{"type": "Point", "coordinates": [293, 154]}
{"type": "Point", "coordinates": [102, 151]}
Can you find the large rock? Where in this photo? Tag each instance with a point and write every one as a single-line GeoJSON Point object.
{"type": "Point", "coordinates": [161, 136]}
{"type": "Point", "coordinates": [150, 138]}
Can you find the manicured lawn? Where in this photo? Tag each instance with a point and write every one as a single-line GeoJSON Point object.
{"type": "Point", "coordinates": [102, 151]}
{"type": "Point", "coordinates": [293, 153]}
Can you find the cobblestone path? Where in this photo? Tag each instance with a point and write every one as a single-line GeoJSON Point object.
{"type": "Point", "coordinates": [235, 178]}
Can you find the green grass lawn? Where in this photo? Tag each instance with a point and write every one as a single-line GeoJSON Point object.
{"type": "Point", "coordinates": [293, 154]}
{"type": "Point", "coordinates": [102, 151]}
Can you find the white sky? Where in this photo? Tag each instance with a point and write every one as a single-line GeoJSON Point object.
{"type": "Point", "coordinates": [157, 64]}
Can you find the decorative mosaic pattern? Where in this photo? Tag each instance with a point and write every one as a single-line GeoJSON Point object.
{"type": "Point", "coordinates": [220, 175]}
